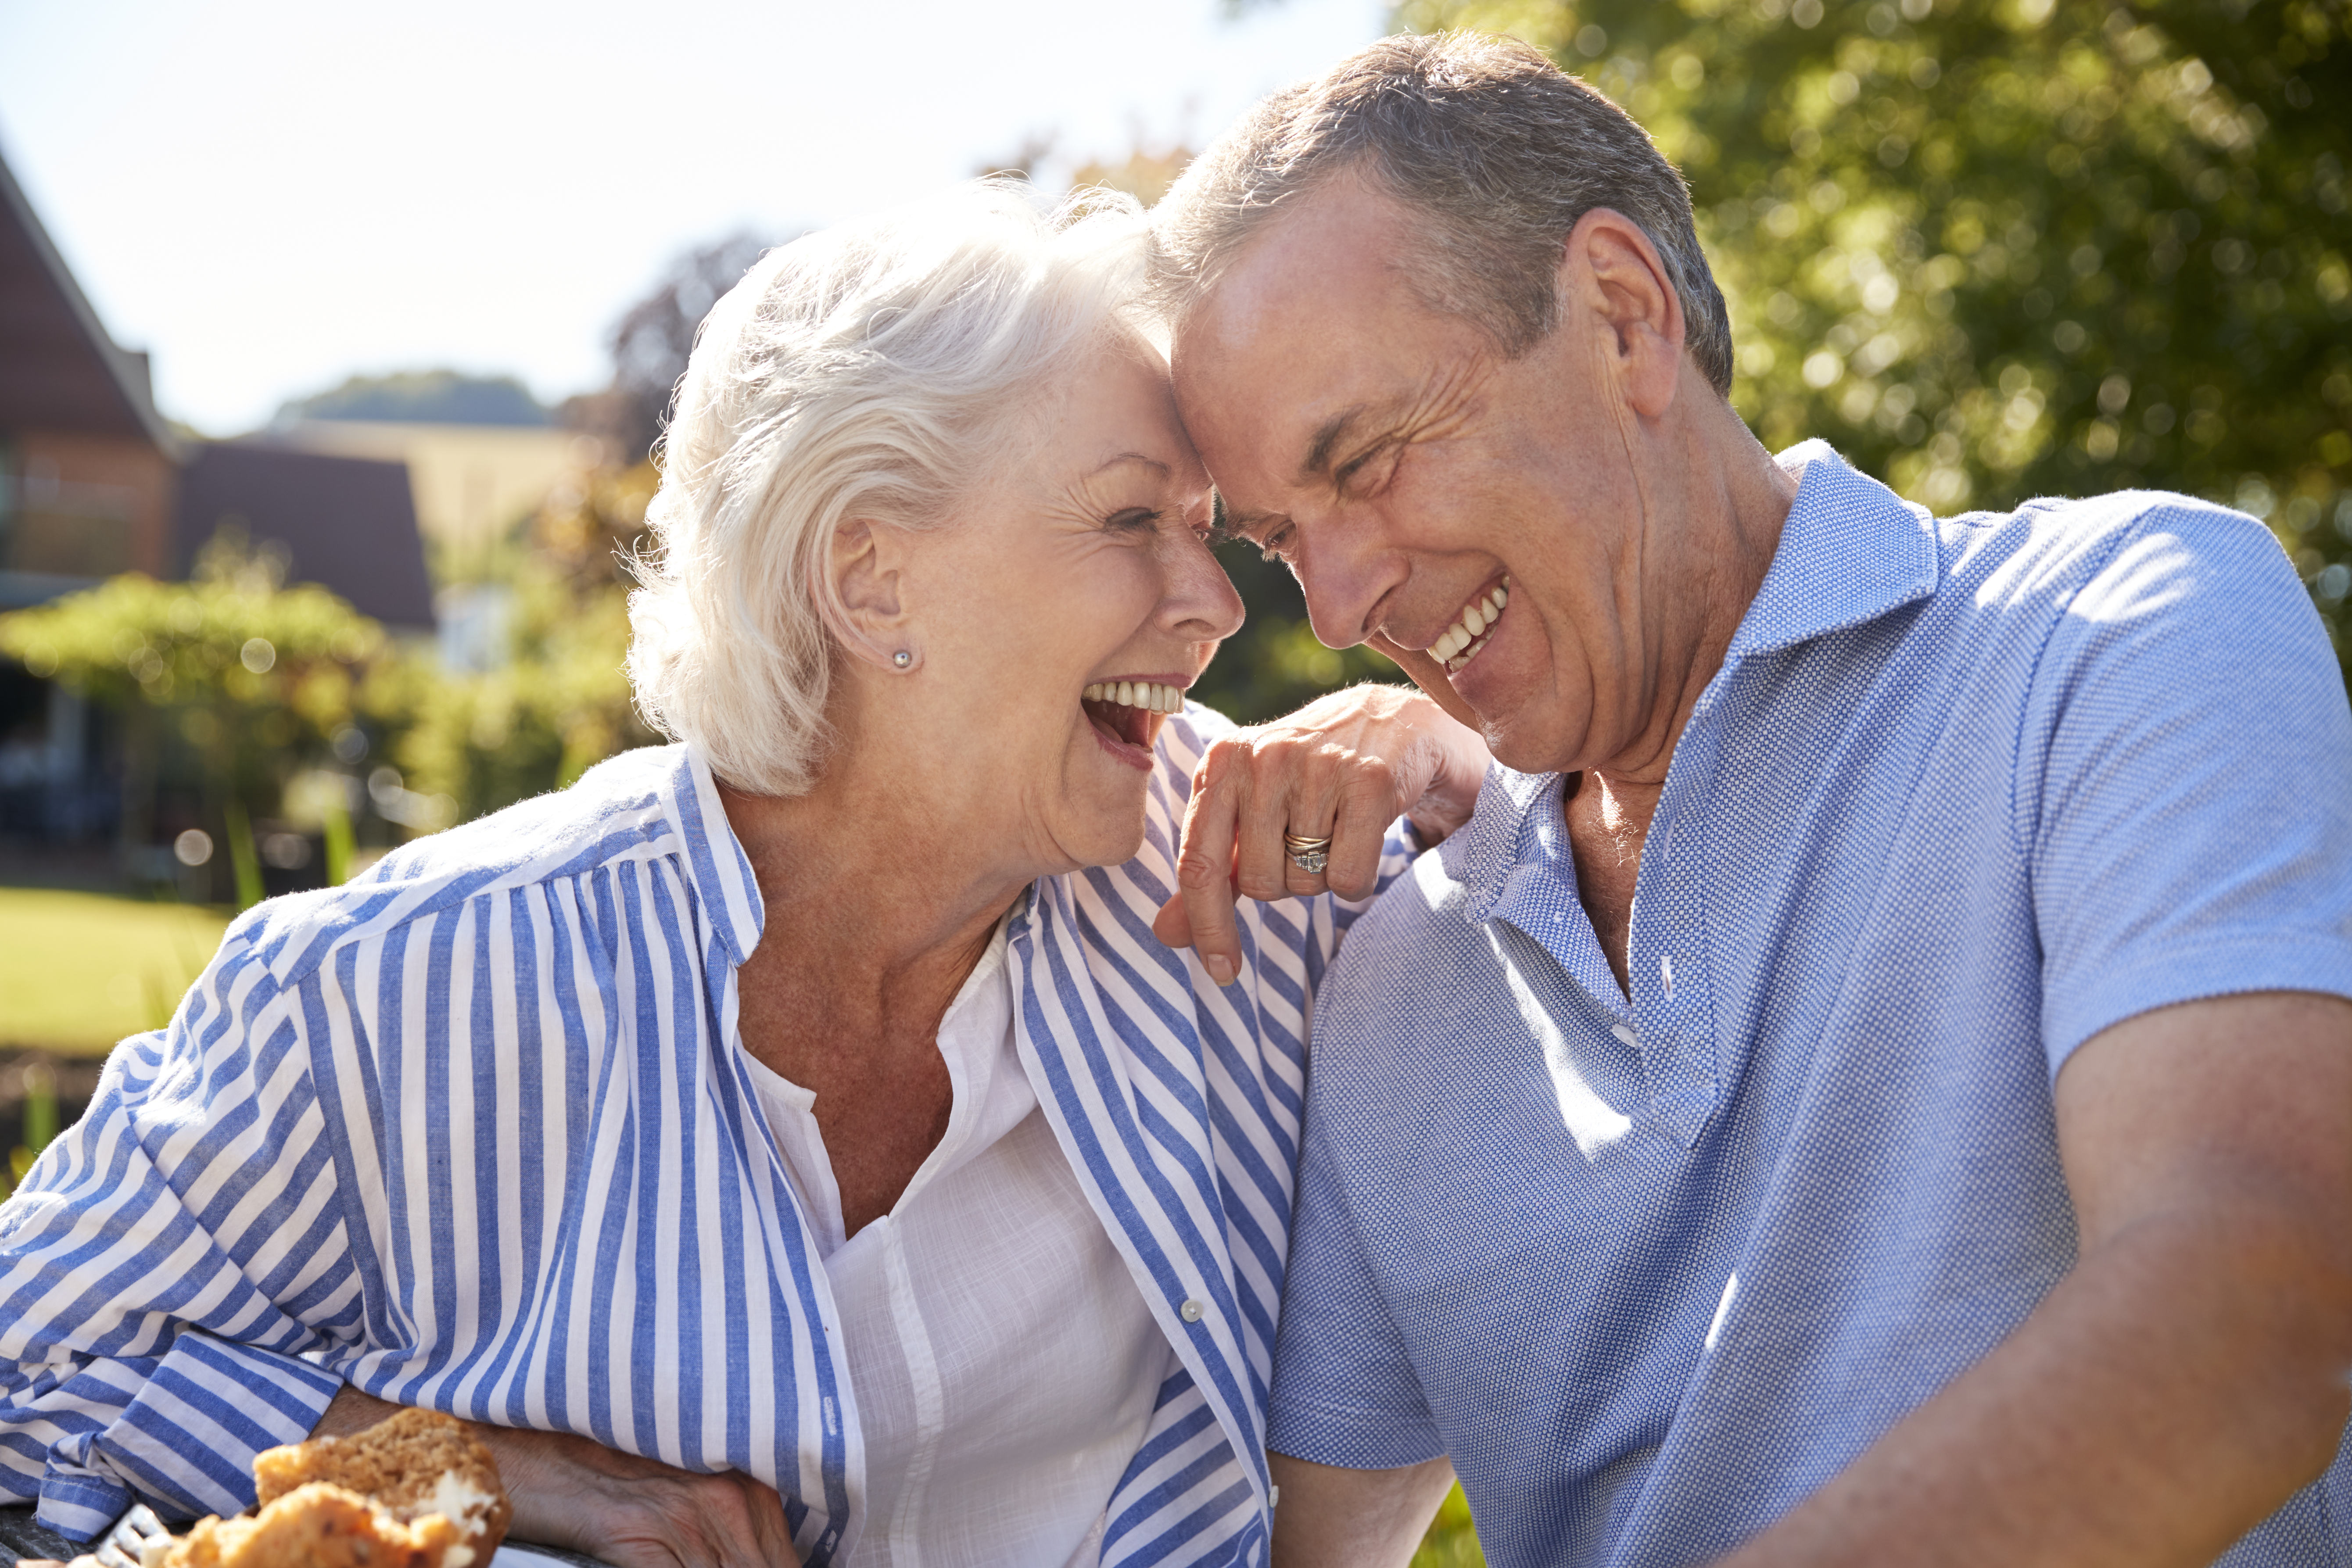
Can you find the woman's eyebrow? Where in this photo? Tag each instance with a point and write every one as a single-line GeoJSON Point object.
{"type": "Point", "coordinates": [1133, 457]}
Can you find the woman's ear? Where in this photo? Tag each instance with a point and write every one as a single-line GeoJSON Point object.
{"type": "Point", "coordinates": [866, 567]}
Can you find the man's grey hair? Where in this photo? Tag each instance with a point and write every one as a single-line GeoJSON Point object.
{"type": "Point", "coordinates": [1499, 149]}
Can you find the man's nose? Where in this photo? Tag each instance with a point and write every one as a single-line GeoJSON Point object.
{"type": "Point", "coordinates": [1346, 577]}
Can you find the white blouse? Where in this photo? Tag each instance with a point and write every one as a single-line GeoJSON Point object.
{"type": "Point", "coordinates": [1003, 1362]}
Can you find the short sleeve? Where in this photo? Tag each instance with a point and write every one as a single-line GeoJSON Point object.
{"type": "Point", "coordinates": [2185, 781]}
{"type": "Point", "coordinates": [1344, 1389]}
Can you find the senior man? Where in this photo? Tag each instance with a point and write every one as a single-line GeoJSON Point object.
{"type": "Point", "coordinates": [1873, 1082]}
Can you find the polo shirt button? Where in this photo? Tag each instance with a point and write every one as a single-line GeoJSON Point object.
{"type": "Point", "coordinates": [1190, 1311]}
{"type": "Point", "coordinates": [1626, 1034]}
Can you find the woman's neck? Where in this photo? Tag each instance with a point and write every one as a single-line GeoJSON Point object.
{"type": "Point", "coordinates": [880, 900]}
{"type": "Point", "coordinates": [873, 873]}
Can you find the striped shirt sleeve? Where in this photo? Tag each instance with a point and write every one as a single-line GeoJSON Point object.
{"type": "Point", "coordinates": [175, 1276]}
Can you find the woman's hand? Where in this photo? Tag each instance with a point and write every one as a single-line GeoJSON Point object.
{"type": "Point", "coordinates": [637, 1512]}
{"type": "Point", "coordinates": [631, 1512]}
{"type": "Point", "coordinates": [1343, 766]}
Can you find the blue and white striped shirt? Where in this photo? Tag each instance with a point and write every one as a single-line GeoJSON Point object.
{"type": "Point", "coordinates": [473, 1133]}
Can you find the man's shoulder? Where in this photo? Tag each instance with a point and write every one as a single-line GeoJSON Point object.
{"type": "Point", "coordinates": [2046, 553]}
{"type": "Point", "coordinates": [619, 810]}
{"type": "Point", "coordinates": [1409, 961]}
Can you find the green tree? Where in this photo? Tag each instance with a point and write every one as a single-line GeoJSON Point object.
{"type": "Point", "coordinates": [1999, 249]}
{"type": "Point", "coordinates": [255, 676]}
{"type": "Point", "coordinates": [538, 723]}
{"type": "Point", "coordinates": [560, 702]}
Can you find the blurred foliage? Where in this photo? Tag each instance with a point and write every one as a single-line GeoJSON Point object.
{"type": "Point", "coordinates": [558, 703]}
{"type": "Point", "coordinates": [1992, 249]}
{"type": "Point", "coordinates": [651, 341]}
{"type": "Point", "coordinates": [282, 692]}
{"type": "Point", "coordinates": [252, 665]}
{"type": "Point", "coordinates": [38, 1117]}
{"type": "Point", "coordinates": [1144, 174]}
{"type": "Point", "coordinates": [254, 677]}
{"type": "Point", "coordinates": [1451, 1543]}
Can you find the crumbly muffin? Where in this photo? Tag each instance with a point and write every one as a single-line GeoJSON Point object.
{"type": "Point", "coordinates": [416, 1491]}
{"type": "Point", "coordinates": [319, 1526]}
{"type": "Point", "coordinates": [413, 1464]}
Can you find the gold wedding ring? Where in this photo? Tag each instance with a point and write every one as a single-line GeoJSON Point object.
{"type": "Point", "coordinates": [1310, 855]}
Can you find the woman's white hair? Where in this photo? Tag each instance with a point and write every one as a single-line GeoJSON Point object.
{"type": "Point", "coordinates": [878, 369]}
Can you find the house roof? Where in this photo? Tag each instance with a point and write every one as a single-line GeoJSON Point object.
{"type": "Point", "coordinates": [59, 368]}
{"type": "Point", "coordinates": [346, 523]}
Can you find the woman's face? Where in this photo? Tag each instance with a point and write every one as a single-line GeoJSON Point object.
{"type": "Point", "coordinates": [1064, 604]}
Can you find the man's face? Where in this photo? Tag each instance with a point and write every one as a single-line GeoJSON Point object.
{"type": "Point", "coordinates": [1404, 469]}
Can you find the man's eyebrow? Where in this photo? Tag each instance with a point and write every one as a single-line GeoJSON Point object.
{"type": "Point", "coordinates": [1318, 450]}
{"type": "Point", "coordinates": [1230, 525]}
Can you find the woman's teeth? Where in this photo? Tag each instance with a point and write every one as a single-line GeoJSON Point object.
{"type": "Point", "coordinates": [1471, 630]}
{"type": "Point", "coordinates": [1149, 695]}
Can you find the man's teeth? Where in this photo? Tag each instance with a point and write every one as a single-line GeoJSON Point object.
{"type": "Point", "coordinates": [1476, 620]}
{"type": "Point", "coordinates": [1149, 695]}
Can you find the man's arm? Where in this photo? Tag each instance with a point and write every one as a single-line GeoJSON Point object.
{"type": "Point", "coordinates": [2195, 1368]}
{"type": "Point", "coordinates": [1333, 1518]}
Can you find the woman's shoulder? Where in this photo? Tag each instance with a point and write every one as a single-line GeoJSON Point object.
{"type": "Point", "coordinates": [622, 808]}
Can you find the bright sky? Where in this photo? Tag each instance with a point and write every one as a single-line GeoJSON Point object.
{"type": "Point", "coordinates": [271, 194]}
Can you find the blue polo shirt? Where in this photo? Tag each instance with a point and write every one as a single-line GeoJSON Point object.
{"type": "Point", "coordinates": [1652, 1268]}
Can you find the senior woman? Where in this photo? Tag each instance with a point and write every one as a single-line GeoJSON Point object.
{"type": "Point", "coordinates": [789, 1143]}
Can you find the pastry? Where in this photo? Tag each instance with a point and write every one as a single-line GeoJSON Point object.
{"type": "Point", "coordinates": [416, 1491]}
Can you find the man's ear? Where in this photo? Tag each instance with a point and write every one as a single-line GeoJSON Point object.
{"type": "Point", "coordinates": [866, 566]}
{"type": "Point", "coordinates": [1612, 273]}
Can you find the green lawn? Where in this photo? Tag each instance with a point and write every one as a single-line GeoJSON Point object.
{"type": "Point", "coordinates": [80, 970]}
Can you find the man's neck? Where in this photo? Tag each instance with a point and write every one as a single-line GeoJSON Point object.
{"type": "Point", "coordinates": [1730, 500]}
{"type": "Point", "coordinates": [1716, 509]}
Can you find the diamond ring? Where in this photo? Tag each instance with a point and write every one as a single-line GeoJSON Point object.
{"type": "Point", "coordinates": [1310, 855]}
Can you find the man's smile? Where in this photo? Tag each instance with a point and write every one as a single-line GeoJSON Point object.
{"type": "Point", "coordinates": [1473, 627]}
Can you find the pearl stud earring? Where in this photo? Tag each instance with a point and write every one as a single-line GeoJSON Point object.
{"type": "Point", "coordinates": [902, 658]}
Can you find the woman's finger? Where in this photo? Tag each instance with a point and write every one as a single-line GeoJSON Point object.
{"type": "Point", "coordinates": [1305, 790]}
{"type": "Point", "coordinates": [1205, 866]}
{"type": "Point", "coordinates": [1288, 793]}
{"type": "Point", "coordinates": [1369, 798]}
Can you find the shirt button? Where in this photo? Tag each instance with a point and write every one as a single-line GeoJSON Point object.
{"type": "Point", "coordinates": [1626, 1033]}
{"type": "Point", "coordinates": [1190, 1311]}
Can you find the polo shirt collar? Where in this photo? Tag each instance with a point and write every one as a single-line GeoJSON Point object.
{"type": "Point", "coordinates": [1851, 551]}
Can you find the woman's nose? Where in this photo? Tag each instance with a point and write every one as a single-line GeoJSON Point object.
{"type": "Point", "coordinates": [1200, 603]}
